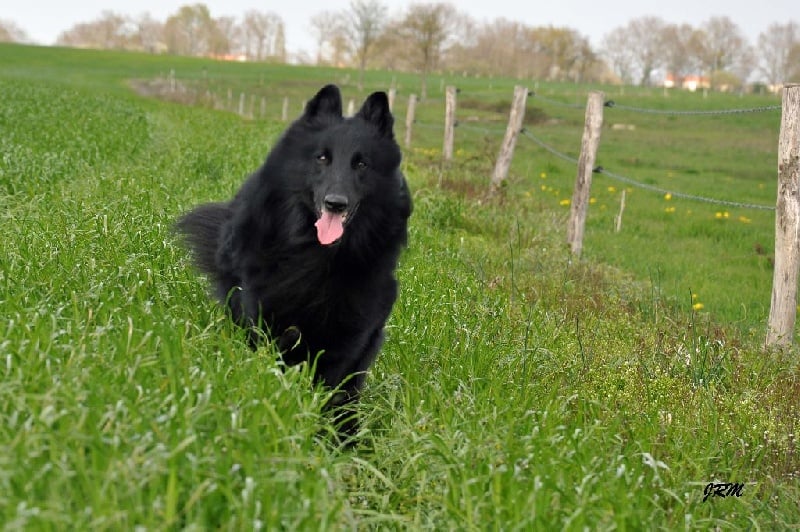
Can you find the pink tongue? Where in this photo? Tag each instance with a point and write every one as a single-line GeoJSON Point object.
{"type": "Point", "coordinates": [329, 227]}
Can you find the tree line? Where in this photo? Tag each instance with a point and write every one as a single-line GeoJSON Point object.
{"type": "Point", "coordinates": [256, 36]}
{"type": "Point", "coordinates": [437, 37]}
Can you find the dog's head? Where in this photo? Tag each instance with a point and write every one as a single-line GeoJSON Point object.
{"type": "Point", "coordinates": [355, 162]}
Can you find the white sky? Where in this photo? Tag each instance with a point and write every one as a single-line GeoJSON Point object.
{"type": "Point", "coordinates": [43, 20]}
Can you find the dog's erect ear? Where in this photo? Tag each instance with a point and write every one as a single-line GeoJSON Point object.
{"type": "Point", "coordinates": [376, 111]}
{"type": "Point", "coordinates": [326, 103]}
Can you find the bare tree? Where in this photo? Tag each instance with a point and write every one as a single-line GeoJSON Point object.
{"type": "Point", "coordinates": [616, 50]}
{"type": "Point", "coordinates": [498, 48]}
{"type": "Point", "coordinates": [513, 45]}
{"type": "Point", "coordinates": [744, 64]}
{"type": "Point", "coordinates": [326, 27]}
{"type": "Point", "coordinates": [339, 49]}
{"type": "Point", "coordinates": [775, 47]}
{"type": "Point", "coordinates": [190, 31]}
{"type": "Point", "coordinates": [11, 32]}
{"type": "Point", "coordinates": [794, 60]}
{"type": "Point", "coordinates": [509, 48]}
{"type": "Point", "coordinates": [646, 38]}
{"type": "Point", "coordinates": [425, 29]}
{"type": "Point", "coordinates": [365, 21]}
{"type": "Point", "coordinates": [227, 37]}
{"type": "Point", "coordinates": [636, 50]}
{"type": "Point", "coordinates": [584, 61]}
{"type": "Point", "coordinates": [563, 51]}
{"type": "Point", "coordinates": [723, 47]}
{"type": "Point", "coordinates": [109, 31]}
{"type": "Point", "coordinates": [679, 59]}
{"type": "Point", "coordinates": [149, 34]}
{"type": "Point", "coordinates": [458, 56]}
{"type": "Point", "coordinates": [264, 35]}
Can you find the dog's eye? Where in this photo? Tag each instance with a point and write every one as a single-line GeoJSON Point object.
{"type": "Point", "coordinates": [323, 158]}
{"type": "Point", "coordinates": [358, 162]}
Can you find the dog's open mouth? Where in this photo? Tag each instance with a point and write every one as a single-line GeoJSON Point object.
{"type": "Point", "coordinates": [330, 226]}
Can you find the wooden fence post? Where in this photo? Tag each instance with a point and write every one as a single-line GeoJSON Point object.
{"type": "Point", "coordinates": [449, 122]}
{"type": "Point", "coordinates": [351, 107]}
{"type": "Point", "coordinates": [412, 106]}
{"type": "Point", "coordinates": [618, 217]}
{"type": "Point", "coordinates": [515, 118]}
{"type": "Point", "coordinates": [583, 181]}
{"type": "Point", "coordinates": [285, 110]}
{"type": "Point", "coordinates": [241, 104]}
{"type": "Point", "coordinates": [783, 306]}
{"type": "Point", "coordinates": [392, 95]}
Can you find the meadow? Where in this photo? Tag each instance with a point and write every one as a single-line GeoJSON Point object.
{"type": "Point", "coordinates": [519, 388]}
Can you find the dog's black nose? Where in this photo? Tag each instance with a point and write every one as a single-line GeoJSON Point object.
{"type": "Point", "coordinates": [335, 203]}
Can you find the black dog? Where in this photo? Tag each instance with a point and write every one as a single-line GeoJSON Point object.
{"type": "Point", "coordinates": [306, 250]}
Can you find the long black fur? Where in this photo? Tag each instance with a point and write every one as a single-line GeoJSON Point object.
{"type": "Point", "coordinates": [266, 264]}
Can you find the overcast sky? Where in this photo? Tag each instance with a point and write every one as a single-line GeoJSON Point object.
{"type": "Point", "coordinates": [43, 20]}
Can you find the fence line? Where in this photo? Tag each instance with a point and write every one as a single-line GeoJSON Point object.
{"type": "Point", "coordinates": [601, 170]}
{"type": "Point", "coordinates": [558, 103]}
{"type": "Point", "coordinates": [614, 105]}
{"type": "Point", "coordinates": [632, 182]}
{"type": "Point", "coordinates": [284, 108]}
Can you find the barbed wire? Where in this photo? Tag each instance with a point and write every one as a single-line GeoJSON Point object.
{"type": "Point", "coordinates": [645, 186]}
{"type": "Point", "coordinates": [549, 148]}
{"type": "Point", "coordinates": [618, 177]}
{"type": "Point", "coordinates": [496, 92]}
{"type": "Point", "coordinates": [484, 130]}
{"type": "Point", "coordinates": [556, 102]}
{"type": "Point", "coordinates": [611, 104]}
{"type": "Point", "coordinates": [426, 125]}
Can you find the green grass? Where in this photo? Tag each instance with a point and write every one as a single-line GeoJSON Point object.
{"type": "Point", "coordinates": [518, 388]}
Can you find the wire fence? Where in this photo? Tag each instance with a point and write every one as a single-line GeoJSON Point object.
{"type": "Point", "coordinates": [669, 112]}
{"type": "Point", "coordinates": [783, 306]}
{"type": "Point", "coordinates": [645, 186]}
{"type": "Point", "coordinates": [247, 106]}
{"type": "Point", "coordinates": [489, 131]}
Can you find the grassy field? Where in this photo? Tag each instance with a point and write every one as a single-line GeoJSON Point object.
{"type": "Point", "coordinates": [518, 388]}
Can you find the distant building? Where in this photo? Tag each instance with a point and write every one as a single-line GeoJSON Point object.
{"type": "Point", "coordinates": [229, 57]}
{"type": "Point", "coordinates": [691, 82]}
